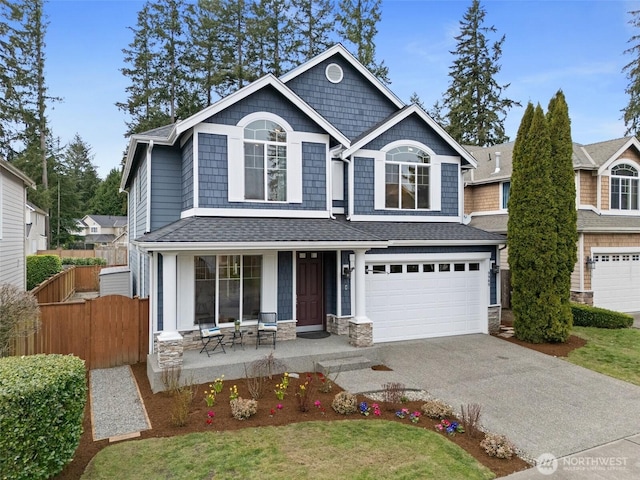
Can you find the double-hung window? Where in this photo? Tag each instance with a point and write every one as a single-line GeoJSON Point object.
{"type": "Point", "coordinates": [624, 187]}
{"type": "Point", "coordinates": [506, 190]}
{"type": "Point", "coordinates": [265, 161]}
{"type": "Point", "coordinates": [407, 178]}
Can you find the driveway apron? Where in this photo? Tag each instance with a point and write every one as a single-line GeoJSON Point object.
{"type": "Point", "coordinates": [541, 403]}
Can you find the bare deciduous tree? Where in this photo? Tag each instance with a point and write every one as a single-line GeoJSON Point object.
{"type": "Point", "coordinates": [19, 316]}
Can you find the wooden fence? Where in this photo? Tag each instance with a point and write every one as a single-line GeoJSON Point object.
{"type": "Point", "coordinates": [63, 285]}
{"type": "Point", "coordinates": [116, 255]}
{"type": "Point", "coordinates": [105, 332]}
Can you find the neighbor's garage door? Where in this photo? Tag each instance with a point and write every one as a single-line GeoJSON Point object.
{"type": "Point", "coordinates": [421, 299]}
{"type": "Point", "coordinates": [616, 281]}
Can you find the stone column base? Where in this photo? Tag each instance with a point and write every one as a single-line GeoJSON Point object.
{"type": "Point", "coordinates": [494, 319]}
{"type": "Point", "coordinates": [170, 350]}
{"type": "Point", "coordinates": [361, 333]}
{"type": "Point", "coordinates": [338, 325]}
{"type": "Point", "coordinates": [582, 297]}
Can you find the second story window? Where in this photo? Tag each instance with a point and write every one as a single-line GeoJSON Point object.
{"type": "Point", "coordinates": [624, 187]}
{"type": "Point", "coordinates": [407, 172]}
{"type": "Point", "coordinates": [94, 229]}
{"type": "Point", "coordinates": [265, 161]}
{"type": "Point", "coordinates": [506, 189]}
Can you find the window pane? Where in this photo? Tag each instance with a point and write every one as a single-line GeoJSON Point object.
{"type": "Point", "coordinates": [459, 267]}
{"type": "Point", "coordinates": [408, 186]}
{"type": "Point", "coordinates": [423, 187]}
{"type": "Point", "coordinates": [615, 193]}
{"type": "Point", "coordinates": [506, 190]}
{"type": "Point", "coordinates": [205, 288]}
{"type": "Point", "coordinates": [428, 268]}
{"type": "Point", "coordinates": [395, 268]}
{"type": "Point", "coordinates": [379, 269]}
{"type": "Point", "coordinates": [253, 171]}
{"type": "Point", "coordinates": [444, 267]}
{"type": "Point", "coordinates": [474, 267]}
{"type": "Point", "coordinates": [392, 179]}
{"type": "Point", "coordinates": [634, 195]}
{"type": "Point", "coordinates": [229, 270]}
{"type": "Point", "coordinates": [413, 268]}
{"type": "Point", "coordinates": [251, 281]}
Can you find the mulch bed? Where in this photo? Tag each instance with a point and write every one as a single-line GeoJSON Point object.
{"type": "Point", "coordinates": [159, 407]}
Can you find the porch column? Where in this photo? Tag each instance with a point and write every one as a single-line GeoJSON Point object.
{"type": "Point", "coordinates": [169, 292]}
{"type": "Point", "coordinates": [361, 308]}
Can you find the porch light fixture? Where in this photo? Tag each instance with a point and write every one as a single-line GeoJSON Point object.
{"type": "Point", "coordinates": [346, 270]}
{"type": "Point", "coordinates": [495, 269]}
{"type": "Point", "coordinates": [591, 263]}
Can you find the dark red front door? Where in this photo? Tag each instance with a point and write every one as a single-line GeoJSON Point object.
{"type": "Point", "coordinates": [309, 292]}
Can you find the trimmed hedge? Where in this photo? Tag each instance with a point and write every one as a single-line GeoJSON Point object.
{"type": "Point", "coordinates": [41, 267]}
{"type": "Point", "coordinates": [42, 400]}
{"type": "Point", "coordinates": [84, 261]}
{"type": "Point", "coordinates": [588, 316]}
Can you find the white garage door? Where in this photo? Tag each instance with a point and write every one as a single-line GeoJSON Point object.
{"type": "Point", "coordinates": [616, 281]}
{"type": "Point", "coordinates": [412, 299]}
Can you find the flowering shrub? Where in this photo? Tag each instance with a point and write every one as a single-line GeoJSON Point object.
{"type": "Point", "coordinates": [345, 403]}
{"type": "Point", "coordinates": [210, 416]}
{"type": "Point", "coordinates": [497, 446]}
{"type": "Point", "coordinates": [414, 417]}
{"type": "Point", "coordinates": [376, 409]}
{"type": "Point", "coordinates": [364, 409]}
{"type": "Point", "coordinates": [304, 394]}
{"type": "Point", "coordinates": [233, 392]}
{"type": "Point", "coordinates": [217, 384]}
{"type": "Point", "coordinates": [242, 408]}
{"type": "Point", "coordinates": [437, 409]}
{"type": "Point", "coordinates": [451, 428]}
{"type": "Point", "coordinates": [402, 413]}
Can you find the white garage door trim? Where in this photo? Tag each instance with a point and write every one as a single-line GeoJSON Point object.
{"type": "Point", "coordinates": [416, 304]}
{"type": "Point", "coordinates": [615, 280]}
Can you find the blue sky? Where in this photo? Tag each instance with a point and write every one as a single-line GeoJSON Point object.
{"type": "Point", "coordinates": [576, 46]}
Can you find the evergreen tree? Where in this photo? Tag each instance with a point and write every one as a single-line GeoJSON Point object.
{"type": "Point", "coordinates": [77, 166]}
{"type": "Point", "coordinates": [562, 178]}
{"type": "Point", "coordinates": [532, 232]}
{"type": "Point", "coordinates": [273, 29]}
{"type": "Point", "coordinates": [415, 98]}
{"type": "Point", "coordinates": [314, 20]}
{"type": "Point", "coordinates": [141, 105]}
{"type": "Point", "coordinates": [357, 20]}
{"type": "Point", "coordinates": [631, 113]}
{"type": "Point", "coordinates": [475, 107]}
{"type": "Point", "coordinates": [108, 200]}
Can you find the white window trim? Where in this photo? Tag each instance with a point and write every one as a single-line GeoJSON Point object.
{"type": "Point", "coordinates": [632, 163]}
{"type": "Point", "coordinates": [435, 175]}
{"type": "Point", "coordinates": [502, 207]}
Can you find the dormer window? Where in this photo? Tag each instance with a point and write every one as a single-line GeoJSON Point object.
{"type": "Point", "coordinates": [265, 161]}
{"type": "Point", "coordinates": [624, 187]}
{"type": "Point", "coordinates": [407, 178]}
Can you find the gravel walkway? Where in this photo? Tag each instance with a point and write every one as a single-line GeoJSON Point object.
{"type": "Point", "coordinates": [116, 407]}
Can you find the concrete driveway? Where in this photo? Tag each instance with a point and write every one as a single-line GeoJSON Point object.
{"type": "Point", "coordinates": [542, 403]}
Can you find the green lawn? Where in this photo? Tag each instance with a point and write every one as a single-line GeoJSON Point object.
{"type": "Point", "coordinates": [355, 449]}
{"type": "Point", "coordinates": [613, 352]}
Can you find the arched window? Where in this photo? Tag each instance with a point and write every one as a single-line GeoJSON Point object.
{"type": "Point", "coordinates": [624, 187]}
{"type": "Point", "coordinates": [265, 161]}
{"type": "Point", "coordinates": [407, 174]}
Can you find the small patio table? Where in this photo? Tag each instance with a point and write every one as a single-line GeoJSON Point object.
{"type": "Point", "coordinates": [237, 337]}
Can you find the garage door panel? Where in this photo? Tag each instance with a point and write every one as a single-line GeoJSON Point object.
{"type": "Point", "coordinates": [616, 281]}
{"type": "Point", "coordinates": [412, 305]}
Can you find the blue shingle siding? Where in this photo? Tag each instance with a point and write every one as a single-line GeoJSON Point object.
{"type": "Point", "coordinates": [140, 206]}
{"type": "Point", "coordinates": [285, 285]}
{"type": "Point", "coordinates": [160, 293]}
{"type": "Point", "coordinates": [267, 100]}
{"type": "Point", "coordinates": [452, 249]}
{"type": "Point", "coordinates": [364, 191]}
{"type": "Point", "coordinates": [187, 175]}
{"type": "Point", "coordinates": [135, 270]}
{"type": "Point", "coordinates": [353, 106]}
{"type": "Point", "coordinates": [412, 128]}
{"type": "Point", "coordinates": [166, 181]}
{"type": "Point", "coordinates": [345, 286]}
{"type": "Point", "coordinates": [213, 175]}
{"type": "Point", "coordinates": [212, 171]}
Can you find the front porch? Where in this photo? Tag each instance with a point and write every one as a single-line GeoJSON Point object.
{"type": "Point", "coordinates": [299, 355]}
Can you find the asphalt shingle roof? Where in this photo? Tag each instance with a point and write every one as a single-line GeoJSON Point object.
{"type": "Point", "coordinates": [226, 230]}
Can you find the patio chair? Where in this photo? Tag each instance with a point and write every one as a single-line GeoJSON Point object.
{"type": "Point", "coordinates": [267, 327]}
{"type": "Point", "coordinates": [209, 332]}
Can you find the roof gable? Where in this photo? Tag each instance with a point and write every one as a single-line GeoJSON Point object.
{"type": "Point", "coordinates": [605, 153]}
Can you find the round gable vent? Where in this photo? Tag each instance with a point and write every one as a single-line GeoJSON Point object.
{"type": "Point", "coordinates": [334, 73]}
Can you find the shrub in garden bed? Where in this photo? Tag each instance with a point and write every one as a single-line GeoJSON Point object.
{"type": "Point", "coordinates": [42, 400]}
{"type": "Point", "coordinates": [588, 316]}
{"type": "Point", "coordinates": [345, 403]}
{"type": "Point", "coordinates": [437, 409]}
{"type": "Point", "coordinates": [243, 408]}
{"type": "Point", "coordinates": [41, 267]}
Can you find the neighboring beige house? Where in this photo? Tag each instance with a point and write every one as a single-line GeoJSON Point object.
{"type": "Point", "coordinates": [607, 273]}
{"type": "Point", "coordinates": [36, 235]}
{"type": "Point", "coordinates": [13, 199]}
{"type": "Point", "coordinates": [103, 229]}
